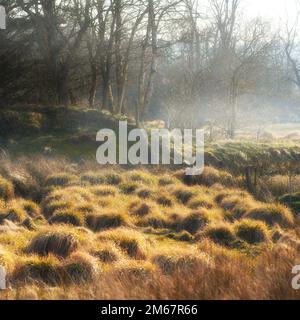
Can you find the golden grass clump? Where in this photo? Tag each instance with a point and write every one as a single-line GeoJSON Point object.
{"type": "Point", "coordinates": [131, 242]}
{"type": "Point", "coordinates": [129, 187]}
{"type": "Point", "coordinates": [32, 209]}
{"type": "Point", "coordinates": [6, 189]}
{"type": "Point", "coordinates": [155, 220]}
{"type": "Point", "coordinates": [38, 269]}
{"type": "Point", "coordinates": [104, 191]}
{"type": "Point", "coordinates": [60, 180]}
{"type": "Point", "coordinates": [93, 178]}
{"type": "Point", "coordinates": [80, 268]}
{"type": "Point", "coordinates": [195, 221]}
{"type": "Point", "coordinates": [60, 243]}
{"type": "Point", "coordinates": [50, 208]}
{"type": "Point", "coordinates": [181, 260]}
{"type": "Point", "coordinates": [272, 214]}
{"type": "Point", "coordinates": [236, 207]}
{"type": "Point", "coordinates": [221, 234]}
{"type": "Point", "coordinates": [165, 200]}
{"type": "Point", "coordinates": [253, 232]}
{"type": "Point", "coordinates": [209, 177]}
{"type": "Point", "coordinates": [7, 259]}
{"type": "Point", "coordinates": [100, 222]}
{"type": "Point", "coordinates": [141, 209]}
{"type": "Point", "coordinates": [107, 252]}
{"type": "Point", "coordinates": [13, 212]}
{"type": "Point", "coordinates": [166, 181]}
{"type": "Point", "coordinates": [67, 217]}
{"type": "Point", "coordinates": [184, 236]}
{"type": "Point", "coordinates": [68, 198]}
{"type": "Point", "coordinates": [134, 269]}
{"type": "Point", "coordinates": [144, 193]}
{"type": "Point", "coordinates": [140, 176]}
{"type": "Point", "coordinates": [183, 194]}
{"type": "Point", "coordinates": [201, 201]}
{"type": "Point", "coordinates": [113, 178]}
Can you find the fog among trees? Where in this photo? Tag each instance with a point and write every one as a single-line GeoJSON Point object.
{"type": "Point", "coordinates": [187, 62]}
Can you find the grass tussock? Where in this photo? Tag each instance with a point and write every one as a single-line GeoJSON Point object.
{"type": "Point", "coordinates": [141, 234]}
{"type": "Point", "coordinates": [272, 215]}
{"type": "Point", "coordinates": [6, 189]}
{"type": "Point", "coordinates": [221, 234]}
{"type": "Point", "coordinates": [60, 243]}
{"type": "Point", "coordinates": [253, 232]}
{"type": "Point", "coordinates": [100, 222]}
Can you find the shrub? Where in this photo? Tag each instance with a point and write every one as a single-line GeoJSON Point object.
{"type": "Point", "coordinates": [67, 217]}
{"type": "Point", "coordinates": [272, 214]}
{"type": "Point", "coordinates": [221, 234]}
{"type": "Point", "coordinates": [6, 189]}
{"type": "Point", "coordinates": [105, 221]}
{"type": "Point", "coordinates": [32, 269]}
{"type": "Point", "coordinates": [183, 195]}
{"type": "Point", "coordinates": [60, 180]}
{"type": "Point", "coordinates": [195, 221]}
{"type": "Point", "coordinates": [80, 268]}
{"type": "Point", "coordinates": [60, 243]}
{"type": "Point", "coordinates": [252, 232]}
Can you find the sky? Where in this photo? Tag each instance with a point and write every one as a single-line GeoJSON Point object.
{"type": "Point", "coordinates": [274, 10]}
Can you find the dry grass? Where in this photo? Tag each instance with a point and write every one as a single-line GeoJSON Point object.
{"type": "Point", "coordinates": [140, 235]}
